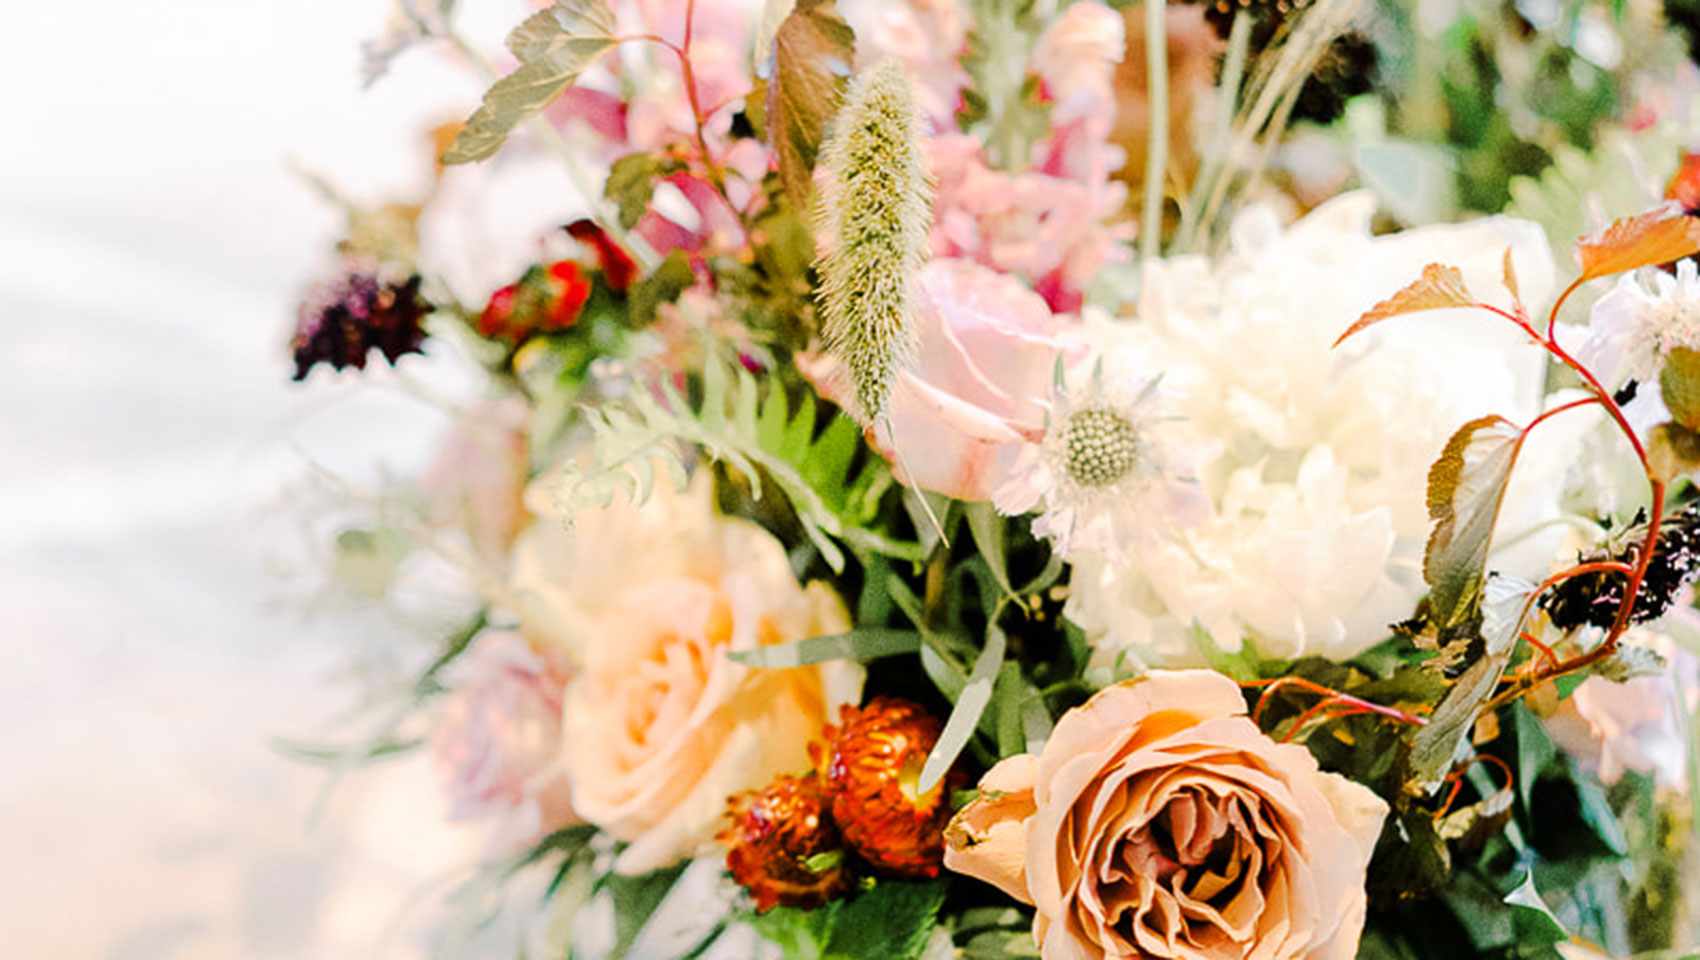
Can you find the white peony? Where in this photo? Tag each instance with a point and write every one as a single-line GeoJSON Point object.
{"type": "Point", "coordinates": [1318, 520]}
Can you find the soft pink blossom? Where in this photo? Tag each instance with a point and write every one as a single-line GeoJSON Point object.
{"type": "Point", "coordinates": [977, 386]}
{"type": "Point", "coordinates": [927, 37]}
{"type": "Point", "coordinates": [1075, 61]}
{"type": "Point", "coordinates": [1640, 724]}
{"type": "Point", "coordinates": [1050, 230]}
{"type": "Point", "coordinates": [498, 743]}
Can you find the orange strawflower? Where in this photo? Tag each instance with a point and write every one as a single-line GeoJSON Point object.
{"type": "Point", "coordinates": [871, 766]}
{"type": "Point", "coordinates": [774, 833]}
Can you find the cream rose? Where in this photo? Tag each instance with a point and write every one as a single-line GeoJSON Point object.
{"type": "Point", "coordinates": [1160, 822]}
{"type": "Point", "coordinates": [659, 727]}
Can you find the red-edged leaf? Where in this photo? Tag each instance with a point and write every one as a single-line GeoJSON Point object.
{"type": "Point", "coordinates": [812, 52]}
{"type": "Point", "coordinates": [1438, 288]}
{"type": "Point", "coordinates": [1511, 282]}
{"type": "Point", "coordinates": [1660, 235]}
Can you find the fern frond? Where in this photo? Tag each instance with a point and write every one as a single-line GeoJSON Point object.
{"type": "Point", "coordinates": [759, 437]}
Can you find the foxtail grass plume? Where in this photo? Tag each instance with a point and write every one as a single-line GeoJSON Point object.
{"type": "Point", "coordinates": [873, 218]}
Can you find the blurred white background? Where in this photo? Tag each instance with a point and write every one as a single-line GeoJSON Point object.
{"type": "Point", "coordinates": [153, 244]}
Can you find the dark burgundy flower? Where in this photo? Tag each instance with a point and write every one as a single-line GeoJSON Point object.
{"type": "Point", "coordinates": [783, 846]}
{"type": "Point", "coordinates": [1595, 598]}
{"type": "Point", "coordinates": [340, 322]}
{"type": "Point", "coordinates": [871, 767]}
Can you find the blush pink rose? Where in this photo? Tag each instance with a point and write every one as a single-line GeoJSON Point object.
{"type": "Point", "coordinates": [1160, 822]}
{"type": "Point", "coordinates": [498, 744]}
{"type": "Point", "coordinates": [988, 348]}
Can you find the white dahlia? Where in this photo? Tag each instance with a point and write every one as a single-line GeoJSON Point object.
{"type": "Point", "coordinates": [1316, 521]}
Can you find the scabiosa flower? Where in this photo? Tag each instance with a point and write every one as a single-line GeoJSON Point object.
{"type": "Point", "coordinates": [1635, 327]}
{"type": "Point", "coordinates": [777, 838]}
{"type": "Point", "coordinates": [340, 322]}
{"type": "Point", "coordinates": [871, 766]}
{"type": "Point", "coordinates": [545, 300]}
{"type": "Point", "coordinates": [1106, 472]}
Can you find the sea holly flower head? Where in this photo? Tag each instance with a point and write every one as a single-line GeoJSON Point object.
{"type": "Point", "coordinates": [1107, 471]}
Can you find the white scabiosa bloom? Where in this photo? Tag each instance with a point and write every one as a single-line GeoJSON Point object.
{"type": "Point", "coordinates": [1108, 473]}
{"type": "Point", "coordinates": [1632, 329]}
{"type": "Point", "coordinates": [1314, 536]}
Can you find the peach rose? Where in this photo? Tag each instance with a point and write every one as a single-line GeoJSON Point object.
{"type": "Point", "coordinates": [1160, 822]}
{"type": "Point", "coordinates": [988, 349]}
{"type": "Point", "coordinates": [659, 727]}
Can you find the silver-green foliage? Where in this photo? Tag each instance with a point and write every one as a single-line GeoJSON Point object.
{"type": "Point", "coordinates": [760, 437]}
{"type": "Point", "coordinates": [873, 220]}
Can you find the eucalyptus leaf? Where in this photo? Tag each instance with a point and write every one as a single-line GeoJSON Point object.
{"type": "Point", "coordinates": [988, 531]}
{"type": "Point", "coordinates": [965, 716]}
{"type": "Point", "coordinates": [554, 46]}
{"type": "Point", "coordinates": [858, 645]}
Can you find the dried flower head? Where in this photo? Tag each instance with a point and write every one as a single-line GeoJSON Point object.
{"type": "Point", "coordinates": [1594, 599]}
{"type": "Point", "coordinates": [871, 765]}
{"type": "Point", "coordinates": [783, 846]}
{"type": "Point", "coordinates": [341, 321]}
{"type": "Point", "coordinates": [873, 218]}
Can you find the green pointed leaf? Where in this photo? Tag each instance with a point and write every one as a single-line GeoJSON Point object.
{"type": "Point", "coordinates": [987, 528]}
{"type": "Point", "coordinates": [1679, 384]}
{"type": "Point", "coordinates": [1533, 919]}
{"type": "Point", "coordinates": [812, 52]}
{"type": "Point", "coordinates": [965, 716]}
{"type": "Point", "coordinates": [1437, 745]}
{"type": "Point", "coordinates": [672, 277]}
{"type": "Point", "coordinates": [1465, 489]}
{"type": "Point", "coordinates": [893, 921]}
{"type": "Point", "coordinates": [554, 46]}
{"type": "Point", "coordinates": [858, 645]}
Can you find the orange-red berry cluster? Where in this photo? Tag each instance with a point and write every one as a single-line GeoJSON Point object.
{"type": "Point", "coordinates": [545, 300]}
{"type": "Point", "coordinates": [862, 800]}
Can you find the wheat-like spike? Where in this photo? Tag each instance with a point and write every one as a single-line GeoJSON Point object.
{"type": "Point", "coordinates": [874, 214]}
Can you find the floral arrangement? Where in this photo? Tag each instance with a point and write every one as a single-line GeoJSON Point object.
{"type": "Point", "coordinates": [990, 478]}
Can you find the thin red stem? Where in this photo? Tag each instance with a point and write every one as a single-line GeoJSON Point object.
{"type": "Point", "coordinates": [1545, 650]}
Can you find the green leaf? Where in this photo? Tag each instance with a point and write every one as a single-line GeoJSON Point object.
{"type": "Point", "coordinates": [671, 277]}
{"type": "Point", "coordinates": [893, 920]}
{"type": "Point", "coordinates": [988, 531]}
{"type": "Point", "coordinates": [1679, 384]}
{"type": "Point", "coordinates": [1597, 813]}
{"type": "Point", "coordinates": [965, 716]}
{"type": "Point", "coordinates": [1534, 750]}
{"type": "Point", "coordinates": [342, 756]}
{"type": "Point", "coordinates": [812, 52]}
{"type": "Point", "coordinates": [1533, 920]}
{"type": "Point", "coordinates": [554, 46]}
{"type": "Point", "coordinates": [1672, 450]}
{"type": "Point", "coordinates": [631, 183]}
{"type": "Point", "coordinates": [1241, 666]}
{"type": "Point", "coordinates": [635, 900]}
{"type": "Point", "coordinates": [858, 645]}
{"type": "Point", "coordinates": [1465, 488]}
{"type": "Point", "coordinates": [1436, 745]}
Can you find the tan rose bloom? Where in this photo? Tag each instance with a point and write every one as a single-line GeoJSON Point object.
{"type": "Point", "coordinates": [1158, 821]}
{"type": "Point", "coordinates": [659, 727]}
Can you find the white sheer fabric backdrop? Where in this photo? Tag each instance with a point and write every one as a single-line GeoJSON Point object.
{"type": "Point", "coordinates": [152, 246]}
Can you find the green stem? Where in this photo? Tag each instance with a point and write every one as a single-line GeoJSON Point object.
{"type": "Point", "coordinates": [1157, 134]}
{"type": "Point", "coordinates": [1227, 105]}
